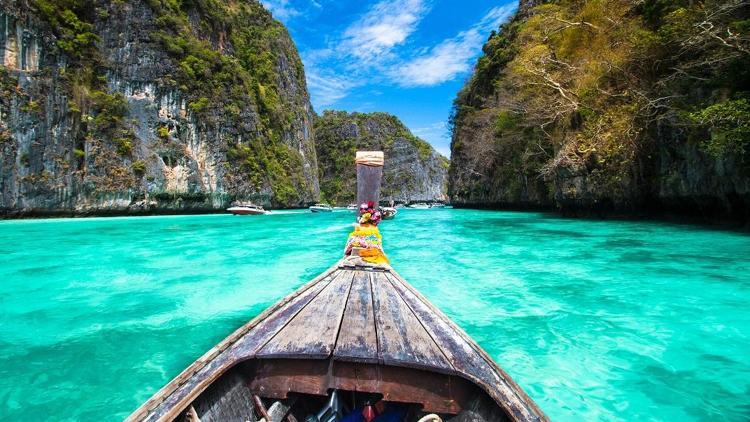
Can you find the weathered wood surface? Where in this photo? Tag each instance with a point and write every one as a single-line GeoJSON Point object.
{"type": "Point", "coordinates": [241, 345]}
{"type": "Point", "coordinates": [313, 331]}
{"type": "Point", "coordinates": [351, 313]}
{"type": "Point", "coordinates": [466, 357]}
{"type": "Point", "coordinates": [402, 340]}
{"type": "Point", "coordinates": [358, 341]}
{"type": "Point", "coordinates": [437, 392]}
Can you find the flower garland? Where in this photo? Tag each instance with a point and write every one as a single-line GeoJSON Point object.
{"type": "Point", "coordinates": [368, 214]}
{"type": "Point", "coordinates": [366, 236]}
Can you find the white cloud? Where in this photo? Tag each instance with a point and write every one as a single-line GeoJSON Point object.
{"type": "Point", "coordinates": [326, 89]}
{"type": "Point", "coordinates": [436, 129]}
{"type": "Point", "coordinates": [281, 9]}
{"type": "Point", "coordinates": [451, 57]}
{"type": "Point", "coordinates": [376, 49]}
{"type": "Point", "coordinates": [351, 59]}
{"type": "Point", "coordinates": [386, 25]}
{"type": "Point", "coordinates": [437, 134]}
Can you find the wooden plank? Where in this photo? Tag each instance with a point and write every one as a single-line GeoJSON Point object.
{"type": "Point", "coordinates": [459, 352]}
{"type": "Point", "coordinates": [401, 338]}
{"type": "Point", "coordinates": [468, 359]}
{"type": "Point", "coordinates": [312, 332]}
{"type": "Point", "coordinates": [435, 392]}
{"type": "Point", "coordinates": [189, 384]}
{"type": "Point", "coordinates": [275, 378]}
{"type": "Point", "coordinates": [357, 341]}
{"type": "Point", "coordinates": [441, 393]}
{"type": "Point", "coordinates": [249, 345]}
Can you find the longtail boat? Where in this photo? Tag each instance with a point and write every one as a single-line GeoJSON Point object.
{"type": "Point", "coordinates": [354, 342]}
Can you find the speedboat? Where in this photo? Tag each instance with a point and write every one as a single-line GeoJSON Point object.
{"type": "Point", "coordinates": [389, 213]}
{"type": "Point", "coordinates": [247, 209]}
{"type": "Point", "coordinates": [419, 205]}
{"type": "Point", "coordinates": [352, 207]}
{"type": "Point", "coordinates": [321, 208]}
{"type": "Point", "coordinates": [437, 205]}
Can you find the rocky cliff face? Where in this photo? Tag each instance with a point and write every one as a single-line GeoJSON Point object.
{"type": "Point", "coordinates": [150, 106]}
{"type": "Point", "coordinates": [413, 170]}
{"type": "Point", "coordinates": [609, 107]}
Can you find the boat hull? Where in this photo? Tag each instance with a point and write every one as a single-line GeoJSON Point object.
{"type": "Point", "coordinates": [246, 211]}
{"type": "Point", "coordinates": [356, 327]}
{"type": "Point", "coordinates": [388, 213]}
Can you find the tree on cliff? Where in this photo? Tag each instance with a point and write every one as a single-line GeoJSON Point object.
{"type": "Point", "coordinates": [575, 100]}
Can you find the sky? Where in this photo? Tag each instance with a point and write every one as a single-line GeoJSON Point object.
{"type": "Point", "coordinates": [404, 57]}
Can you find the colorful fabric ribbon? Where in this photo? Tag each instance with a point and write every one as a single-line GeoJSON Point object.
{"type": "Point", "coordinates": [368, 240]}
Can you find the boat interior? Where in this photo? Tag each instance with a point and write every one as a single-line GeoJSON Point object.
{"type": "Point", "coordinates": [293, 390]}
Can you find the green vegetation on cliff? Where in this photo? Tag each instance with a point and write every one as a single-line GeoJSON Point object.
{"type": "Point", "coordinates": [608, 103]}
{"type": "Point", "coordinates": [99, 115]}
{"type": "Point", "coordinates": [413, 170]}
{"type": "Point", "coordinates": [223, 74]}
{"type": "Point", "coordinates": [228, 63]}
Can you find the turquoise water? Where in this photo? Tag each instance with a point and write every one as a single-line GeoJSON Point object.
{"type": "Point", "coordinates": [596, 320]}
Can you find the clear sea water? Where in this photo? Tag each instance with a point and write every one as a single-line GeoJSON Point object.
{"type": "Point", "coordinates": [597, 320]}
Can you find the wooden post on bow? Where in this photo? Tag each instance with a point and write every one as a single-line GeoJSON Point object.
{"type": "Point", "coordinates": [369, 175]}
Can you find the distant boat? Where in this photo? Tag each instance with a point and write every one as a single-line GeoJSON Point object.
{"type": "Point", "coordinates": [389, 213]}
{"type": "Point", "coordinates": [247, 209]}
{"type": "Point", "coordinates": [352, 207]}
{"type": "Point", "coordinates": [321, 208]}
{"type": "Point", "coordinates": [437, 205]}
{"type": "Point", "coordinates": [419, 205]}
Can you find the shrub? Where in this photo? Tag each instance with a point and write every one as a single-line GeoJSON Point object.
{"type": "Point", "coordinates": [728, 125]}
{"type": "Point", "coordinates": [124, 146]}
{"type": "Point", "coordinates": [163, 132]}
{"type": "Point", "coordinates": [199, 105]}
{"type": "Point", "coordinates": [139, 167]}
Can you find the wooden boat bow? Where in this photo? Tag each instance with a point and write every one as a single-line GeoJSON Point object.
{"type": "Point", "coordinates": [356, 327]}
{"type": "Point", "coordinates": [354, 313]}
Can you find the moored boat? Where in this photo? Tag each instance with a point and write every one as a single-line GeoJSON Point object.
{"type": "Point", "coordinates": [321, 208]}
{"type": "Point", "coordinates": [247, 209]}
{"type": "Point", "coordinates": [419, 205]}
{"type": "Point", "coordinates": [352, 207]}
{"type": "Point", "coordinates": [389, 213]}
{"type": "Point", "coordinates": [355, 342]}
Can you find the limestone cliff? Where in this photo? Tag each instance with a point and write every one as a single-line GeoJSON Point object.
{"type": "Point", "coordinates": [610, 107]}
{"type": "Point", "coordinates": [413, 170]}
{"type": "Point", "coordinates": [150, 106]}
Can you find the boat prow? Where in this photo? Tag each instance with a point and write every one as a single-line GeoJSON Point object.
{"type": "Point", "coordinates": [356, 340]}
{"type": "Point", "coordinates": [359, 329]}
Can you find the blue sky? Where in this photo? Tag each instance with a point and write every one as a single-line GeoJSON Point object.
{"type": "Point", "coordinates": [405, 57]}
